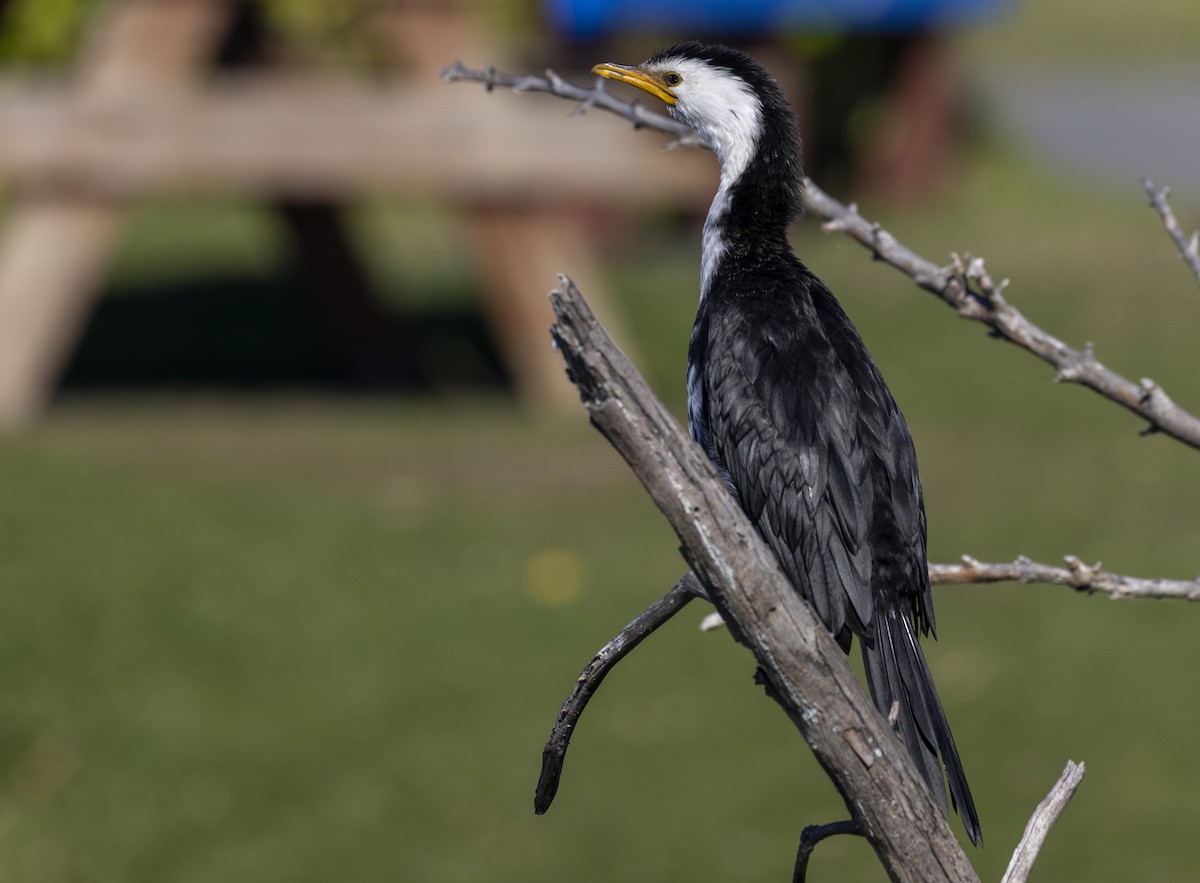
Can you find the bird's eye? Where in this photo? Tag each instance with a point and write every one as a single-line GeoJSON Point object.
{"type": "Point", "coordinates": [672, 79]}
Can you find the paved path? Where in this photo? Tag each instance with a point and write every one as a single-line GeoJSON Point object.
{"type": "Point", "coordinates": [1120, 124]}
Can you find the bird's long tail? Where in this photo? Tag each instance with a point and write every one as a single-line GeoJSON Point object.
{"type": "Point", "coordinates": [897, 673]}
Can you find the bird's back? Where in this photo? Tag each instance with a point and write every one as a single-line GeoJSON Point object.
{"type": "Point", "coordinates": [788, 403]}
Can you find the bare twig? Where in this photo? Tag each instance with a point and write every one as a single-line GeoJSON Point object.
{"type": "Point", "coordinates": [964, 284]}
{"type": "Point", "coordinates": [596, 96]}
{"type": "Point", "coordinates": [589, 680]}
{"type": "Point", "coordinates": [1077, 575]}
{"type": "Point", "coordinates": [1087, 578]}
{"type": "Point", "coordinates": [811, 836]}
{"type": "Point", "coordinates": [1041, 822]}
{"type": "Point", "coordinates": [1188, 248]}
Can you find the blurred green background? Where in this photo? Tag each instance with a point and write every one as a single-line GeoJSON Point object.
{"type": "Point", "coordinates": [287, 634]}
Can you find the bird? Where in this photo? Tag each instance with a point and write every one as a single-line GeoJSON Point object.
{"type": "Point", "coordinates": [788, 404]}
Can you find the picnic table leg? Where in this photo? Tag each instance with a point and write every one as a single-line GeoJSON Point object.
{"type": "Point", "coordinates": [55, 246]}
{"type": "Point", "coordinates": [520, 250]}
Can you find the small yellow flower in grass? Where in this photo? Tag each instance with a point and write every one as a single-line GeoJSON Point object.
{"type": "Point", "coordinates": [553, 577]}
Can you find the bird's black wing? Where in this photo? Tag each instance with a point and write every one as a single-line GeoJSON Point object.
{"type": "Point", "coordinates": [782, 417]}
{"type": "Point", "coordinates": [801, 423]}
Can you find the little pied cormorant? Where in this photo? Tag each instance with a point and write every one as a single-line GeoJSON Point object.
{"type": "Point", "coordinates": [790, 407]}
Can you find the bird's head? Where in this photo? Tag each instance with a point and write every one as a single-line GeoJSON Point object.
{"type": "Point", "coordinates": [722, 93]}
{"type": "Point", "coordinates": [740, 111]}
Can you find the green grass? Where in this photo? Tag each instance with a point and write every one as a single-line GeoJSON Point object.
{"type": "Point", "coordinates": [1057, 31]}
{"type": "Point", "coordinates": [294, 638]}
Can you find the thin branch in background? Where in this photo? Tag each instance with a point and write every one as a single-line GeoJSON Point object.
{"type": "Point", "coordinates": [1077, 575]}
{"type": "Point", "coordinates": [1189, 249]}
{"type": "Point", "coordinates": [593, 674]}
{"type": "Point", "coordinates": [1041, 822]}
{"type": "Point", "coordinates": [964, 284]}
{"type": "Point", "coordinates": [596, 96]}
{"type": "Point", "coordinates": [1087, 578]}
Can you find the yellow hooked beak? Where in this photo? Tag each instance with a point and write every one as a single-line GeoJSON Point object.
{"type": "Point", "coordinates": [635, 76]}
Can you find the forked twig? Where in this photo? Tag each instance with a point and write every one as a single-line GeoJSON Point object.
{"type": "Point", "coordinates": [1188, 247]}
{"type": "Point", "coordinates": [1082, 577]}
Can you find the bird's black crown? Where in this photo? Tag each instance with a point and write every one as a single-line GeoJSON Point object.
{"type": "Point", "coordinates": [733, 60]}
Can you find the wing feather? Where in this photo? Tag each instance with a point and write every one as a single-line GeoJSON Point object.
{"type": "Point", "coordinates": [806, 482]}
{"type": "Point", "coordinates": [787, 402]}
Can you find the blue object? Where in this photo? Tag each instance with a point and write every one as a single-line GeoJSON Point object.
{"type": "Point", "coordinates": [584, 19]}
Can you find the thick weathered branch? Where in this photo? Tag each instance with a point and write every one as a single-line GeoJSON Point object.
{"type": "Point", "coordinates": [964, 284]}
{"type": "Point", "coordinates": [1041, 822]}
{"type": "Point", "coordinates": [805, 670]}
{"type": "Point", "coordinates": [1188, 248]}
{"type": "Point", "coordinates": [1077, 575]}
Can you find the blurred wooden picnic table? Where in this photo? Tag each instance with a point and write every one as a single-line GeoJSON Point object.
{"type": "Point", "coordinates": [145, 114]}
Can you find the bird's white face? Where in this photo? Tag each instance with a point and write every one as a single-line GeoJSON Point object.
{"type": "Point", "coordinates": [723, 110]}
{"type": "Point", "coordinates": [715, 102]}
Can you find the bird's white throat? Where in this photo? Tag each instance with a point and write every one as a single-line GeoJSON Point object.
{"type": "Point", "coordinates": [726, 113]}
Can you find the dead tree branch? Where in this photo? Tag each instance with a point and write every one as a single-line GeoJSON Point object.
{"type": "Point", "coordinates": [810, 837]}
{"type": "Point", "coordinates": [1041, 822]}
{"type": "Point", "coordinates": [964, 284]}
{"type": "Point", "coordinates": [1090, 579]}
{"type": "Point", "coordinates": [805, 670]}
{"type": "Point", "coordinates": [597, 96]}
{"type": "Point", "coordinates": [593, 674]}
{"type": "Point", "coordinates": [1188, 248]}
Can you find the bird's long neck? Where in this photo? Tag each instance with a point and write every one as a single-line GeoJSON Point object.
{"type": "Point", "coordinates": [759, 194]}
{"type": "Point", "coordinates": [714, 242]}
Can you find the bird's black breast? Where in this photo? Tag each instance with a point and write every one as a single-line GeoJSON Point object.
{"type": "Point", "coordinates": [789, 405]}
